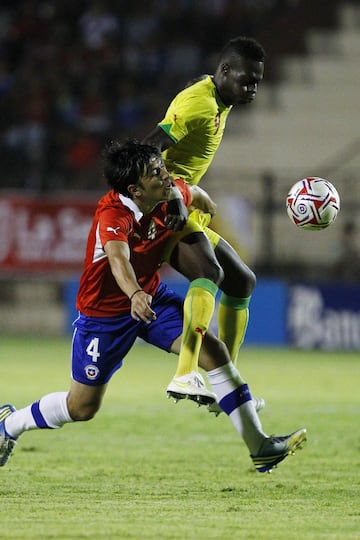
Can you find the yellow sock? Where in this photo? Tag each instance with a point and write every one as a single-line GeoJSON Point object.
{"type": "Point", "coordinates": [199, 307]}
{"type": "Point", "coordinates": [233, 318]}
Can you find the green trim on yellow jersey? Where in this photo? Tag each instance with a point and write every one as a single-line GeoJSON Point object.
{"type": "Point", "coordinates": [167, 129]}
{"type": "Point", "coordinates": [195, 121]}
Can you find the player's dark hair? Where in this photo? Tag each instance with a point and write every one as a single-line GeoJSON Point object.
{"type": "Point", "coordinates": [125, 162]}
{"type": "Point", "coordinates": [243, 46]}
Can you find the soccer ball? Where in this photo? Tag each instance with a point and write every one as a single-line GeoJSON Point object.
{"type": "Point", "coordinates": [313, 203]}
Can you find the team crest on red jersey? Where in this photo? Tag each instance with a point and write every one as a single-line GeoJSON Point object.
{"type": "Point", "coordinates": [151, 234]}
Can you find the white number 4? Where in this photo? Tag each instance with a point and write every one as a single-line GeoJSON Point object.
{"type": "Point", "coordinates": [93, 349]}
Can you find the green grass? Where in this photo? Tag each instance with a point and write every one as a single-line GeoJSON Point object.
{"type": "Point", "coordinates": [145, 468]}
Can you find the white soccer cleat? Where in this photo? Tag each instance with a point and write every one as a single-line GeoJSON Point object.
{"type": "Point", "coordinates": [191, 386]}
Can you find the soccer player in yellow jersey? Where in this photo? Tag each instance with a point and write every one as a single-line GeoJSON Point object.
{"type": "Point", "coordinates": [189, 136]}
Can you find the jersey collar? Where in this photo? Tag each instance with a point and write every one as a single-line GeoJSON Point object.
{"type": "Point", "coordinates": [129, 203]}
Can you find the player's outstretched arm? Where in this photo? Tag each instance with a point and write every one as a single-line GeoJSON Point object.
{"type": "Point", "coordinates": [177, 213]}
{"type": "Point", "coordinates": [119, 259]}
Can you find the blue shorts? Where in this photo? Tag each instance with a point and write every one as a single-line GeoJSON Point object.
{"type": "Point", "coordinates": [101, 343]}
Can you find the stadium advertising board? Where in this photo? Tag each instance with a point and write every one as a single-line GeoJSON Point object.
{"type": "Point", "coordinates": [324, 317]}
{"type": "Point", "coordinates": [43, 234]}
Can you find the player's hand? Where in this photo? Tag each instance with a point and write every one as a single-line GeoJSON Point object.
{"type": "Point", "coordinates": [202, 201]}
{"type": "Point", "coordinates": [177, 215]}
{"type": "Point", "coordinates": [141, 307]}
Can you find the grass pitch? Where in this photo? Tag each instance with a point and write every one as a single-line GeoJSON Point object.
{"type": "Point", "coordinates": [145, 468]}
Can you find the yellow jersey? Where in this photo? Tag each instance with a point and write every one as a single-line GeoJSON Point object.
{"type": "Point", "coordinates": [195, 121]}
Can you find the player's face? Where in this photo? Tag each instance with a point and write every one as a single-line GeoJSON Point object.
{"type": "Point", "coordinates": [241, 78]}
{"type": "Point", "coordinates": [155, 185]}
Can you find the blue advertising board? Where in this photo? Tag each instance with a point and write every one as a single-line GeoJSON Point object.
{"type": "Point", "coordinates": [324, 316]}
{"type": "Point", "coordinates": [300, 315]}
{"type": "Point", "coordinates": [268, 307]}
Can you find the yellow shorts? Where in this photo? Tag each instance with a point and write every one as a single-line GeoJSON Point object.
{"type": "Point", "coordinates": [197, 222]}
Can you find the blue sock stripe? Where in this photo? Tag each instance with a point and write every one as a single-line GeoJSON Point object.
{"type": "Point", "coordinates": [238, 397]}
{"type": "Point", "coordinates": [38, 417]}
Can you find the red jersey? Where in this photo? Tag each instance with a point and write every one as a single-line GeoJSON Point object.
{"type": "Point", "coordinates": [118, 218]}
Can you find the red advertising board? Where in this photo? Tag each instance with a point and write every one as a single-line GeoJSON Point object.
{"type": "Point", "coordinates": [44, 234]}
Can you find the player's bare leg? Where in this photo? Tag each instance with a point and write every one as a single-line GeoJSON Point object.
{"type": "Point", "coordinates": [52, 411]}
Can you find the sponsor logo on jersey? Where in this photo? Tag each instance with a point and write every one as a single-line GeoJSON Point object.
{"type": "Point", "coordinates": [111, 229]}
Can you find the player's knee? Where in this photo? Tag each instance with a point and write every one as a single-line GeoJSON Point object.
{"type": "Point", "coordinates": [214, 272]}
{"type": "Point", "coordinates": [251, 279]}
{"type": "Point", "coordinates": [241, 284]}
{"type": "Point", "coordinates": [82, 412]}
{"type": "Point", "coordinates": [82, 415]}
{"type": "Point", "coordinates": [208, 269]}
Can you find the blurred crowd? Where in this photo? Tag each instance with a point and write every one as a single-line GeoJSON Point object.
{"type": "Point", "coordinates": [74, 74]}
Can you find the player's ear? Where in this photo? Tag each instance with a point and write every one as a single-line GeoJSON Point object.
{"type": "Point", "coordinates": [133, 190]}
{"type": "Point", "coordinates": [225, 67]}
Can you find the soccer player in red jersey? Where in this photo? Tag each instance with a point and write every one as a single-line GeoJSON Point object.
{"type": "Point", "coordinates": [121, 298]}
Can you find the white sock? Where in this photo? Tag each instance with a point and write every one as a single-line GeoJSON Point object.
{"type": "Point", "coordinates": [235, 400]}
{"type": "Point", "coordinates": [50, 412]}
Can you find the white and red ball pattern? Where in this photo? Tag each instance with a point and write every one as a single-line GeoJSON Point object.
{"type": "Point", "coordinates": [313, 203]}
